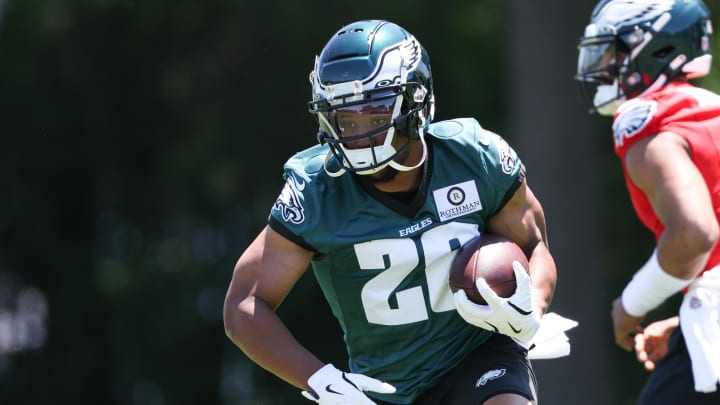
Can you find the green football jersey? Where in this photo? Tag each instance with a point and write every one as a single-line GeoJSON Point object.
{"type": "Point", "coordinates": [383, 264]}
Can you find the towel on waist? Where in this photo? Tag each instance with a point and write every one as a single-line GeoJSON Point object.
{"type": "Point", "coordinates": [700, 324]}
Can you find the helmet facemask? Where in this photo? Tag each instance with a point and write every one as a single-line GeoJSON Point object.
{"type": "Point", "coordinates": [367, 134]}
{"type": "Point", "coordinates": [600, 65]}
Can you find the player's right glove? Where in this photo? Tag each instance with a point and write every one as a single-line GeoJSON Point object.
{"type": "Point", "coordinates": [335, 387]}
{"type": "Point", "coordinates": [513, 316]}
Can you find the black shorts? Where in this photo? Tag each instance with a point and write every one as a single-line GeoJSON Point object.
{"type": "Point", "coordinates": [671, 382]}
{"type": "Point", "coordinates": [499, 366]}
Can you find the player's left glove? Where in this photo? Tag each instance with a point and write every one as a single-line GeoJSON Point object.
{"type": "Point", "coordinates": [335, 387]}
{"type": "Point", "coordinates": [513, 316]}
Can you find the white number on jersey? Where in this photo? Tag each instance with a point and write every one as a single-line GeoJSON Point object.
{"type": "Point", "coordinates": [404, 256]}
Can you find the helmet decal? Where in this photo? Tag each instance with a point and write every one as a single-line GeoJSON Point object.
{"type": "Point", "coordinates": [631, 12]}
{"type": "Point", "coordinates": [406, 56]}
{"type": "Point", "coordinates": [411, 53]}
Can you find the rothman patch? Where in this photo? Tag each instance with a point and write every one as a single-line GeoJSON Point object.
{"type": "Point", "coordinates": [457, 200]}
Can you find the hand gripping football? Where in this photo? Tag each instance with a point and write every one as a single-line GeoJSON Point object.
{"type": "Point", "coordinates": [488, 256]}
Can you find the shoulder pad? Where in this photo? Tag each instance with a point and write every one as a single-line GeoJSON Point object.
{"type": "Point", "coordinates": [308, 161]}
{"type": "Point", "coordinates": [459, 126]}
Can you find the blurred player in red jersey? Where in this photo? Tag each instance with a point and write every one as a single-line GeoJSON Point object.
{"type": "Point", "coordinates": [635, 62]}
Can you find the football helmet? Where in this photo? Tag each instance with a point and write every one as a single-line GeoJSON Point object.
{"type": "Point", "coordinates": [634, 47]}
{"type": "Point", "coordinates": [372, 96]}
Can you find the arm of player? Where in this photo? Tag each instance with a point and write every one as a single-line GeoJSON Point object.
{"type": "Point", "coordinates": [661, 166]}
{"type": "Point", "coordinates": [522, 220]}
{"type": "Point", "coordinates": [263, 276]}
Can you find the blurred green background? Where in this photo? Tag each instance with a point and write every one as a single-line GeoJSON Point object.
{"type": "Point", "coordinates": [142, 147]}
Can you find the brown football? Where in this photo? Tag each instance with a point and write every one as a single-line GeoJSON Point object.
{"type": "Point", "coordinates": [488, 256]}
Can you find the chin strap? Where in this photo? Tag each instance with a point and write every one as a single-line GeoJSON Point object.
{"type": "Point", "coordinates": [397, 166]}
{"type": "Point", "coordinates": [337, 173]}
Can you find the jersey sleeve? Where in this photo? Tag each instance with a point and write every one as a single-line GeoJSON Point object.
{"type": "Point", "coordinates": [645, 116]}
{"type": "Point", "coordinates": [505, 169]}
{"type": "Point", "coordinates": [634, 120]}
{"type": "Point", "coordinates": [295, 211]}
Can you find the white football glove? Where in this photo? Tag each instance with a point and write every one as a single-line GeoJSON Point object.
{"type": "Point", "coordinates": [335, 387]}
{"type": "Point", "coordinates": [513, 316]}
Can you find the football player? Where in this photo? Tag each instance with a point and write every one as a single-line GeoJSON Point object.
{"type": "Point", "coordinates": [636, 60]}
{"type": "Point", "coordinates": [378, 209]}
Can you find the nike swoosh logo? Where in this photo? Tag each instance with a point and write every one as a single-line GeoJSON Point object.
{"type": "Point", "coordinates": [493, 326]}
{"type": "Point", "coordinates": [328, 388]}
{"type": "Point", "coordinates": [515, 307]}
{"type": "Point", "coordinates": [513, 328]}
{"type": "Point", "coordinates": [347, 380]}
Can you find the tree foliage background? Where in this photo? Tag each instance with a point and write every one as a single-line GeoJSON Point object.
{"type": "Point", "coordinates": [142, 146]}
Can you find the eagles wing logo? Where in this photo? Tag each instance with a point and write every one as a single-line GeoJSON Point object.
{"type": "Point", "coordinates": [489, 376]}
{"type": "Point", "coordinates": [632, 118]}
{"type": "Point", "coordinates": [632, 11]}
{"type": "Point", "coordinates": [289, 202]}
{"type": "Point", "coordinates": [508, 159]}
{"type": "Point", "coordinates": [411, 53]}
{"type": "Point", "coordinates": [407, 54]}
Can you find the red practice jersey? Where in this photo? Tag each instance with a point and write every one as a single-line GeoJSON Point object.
{"type": "Point", "coordinates": [688, 111]}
